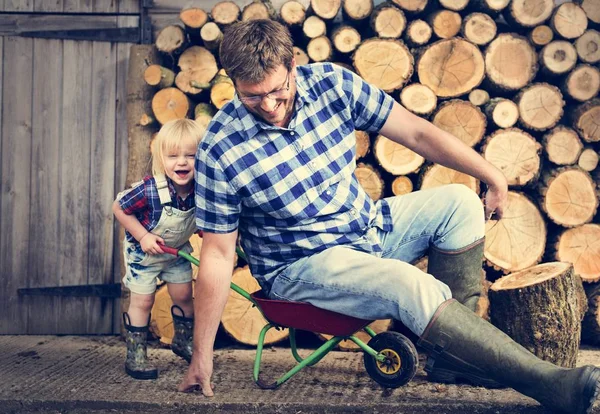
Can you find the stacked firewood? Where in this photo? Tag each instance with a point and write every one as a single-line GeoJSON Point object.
{"type": "Point", "coordinates": [516, 80]}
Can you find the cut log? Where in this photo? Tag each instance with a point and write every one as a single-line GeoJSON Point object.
{"type": "Point", "coordinates": [378, 326]}
{"type": "Point", "coordinates": [436, 175]}
{"type": "Point", "coordinates": [300, 56]}
{"type": "Point", "coordinates": [540, 106]}
{"type": "Point", "coordinates": [588, 46]}
{"type": "Point", "coordinates": [418, 99]}
{"type": "Point", "coordinates": [418, 33]}
{"type": "Point", "coordinates": [345, 39]}
{"type": "Point", "coordinates": [479, 28]}
{"type": "Point", "coordinates": [590, 326]}
{"type": "Point", "coordinates": [370, 180]}
{"type": "Point", "coordinates": [193, 19]}
{"type": "Point", "coordinates": [445, 23]}
{"type": "Point", "coordinates": [479, 97]}
{"type": "Point", "coordinates": [222, 90]}
{"type": "Point", "coordinates": [198, 67]}
{"type": "Point", "coordinates": [528, 13]}
{"type": "Point", "coordinates": [225, 13]}
{"type": "Point", "coordinates": [146, 120]}
{"type": "Point", "coordinates": [580, 246]}
{"type": "Point", "coordinates": [314, 27]}
{"type": "Point", "coordinates": [491, 7]}
{"type": "Point", "coordinates": [568, 195]}
{"type": "Point", "coordinates": [541, 35]}
{"type": "Point", "coordinates": [516, 154]}
{"type": "Point", "coordinates": [456, 5]}
{"type": "Point", "coordinates": [203, 114]}
{"type": "Point", "coordinates": [502, 113]}
{"type": "Point", "coordinates": [510, 62]}
{"type": "Point", "coordinates": [240, 319]}
{"type": "Point", "coordinates": [211, 36]}
{"type": "Point", "coordinates": [588, 160]}
{"type": "Point", "coordinates": [293, 14]}
{"type": "Point", "coordinates": [569, 20]}
{"type": "Point", "coordinates": [411, 6]}
{"type": "Point", "coordinates": [169, 104]}
{"type": "Point", "coordinates": [385, 63]}
{"type": "Point", "coordinates": [562, 146]}
{"type": "Point", "coordinates": [171, 40]}
{"type": "Point", "coordinates": [540, 308]}
{"type": "Point", "coordinates": [357, 10]}
{"type": "Point", "coordinates": [156, 75]}
{"type": "Point", "coordinates": [395, 158]}
{"type": "Point", "coordinates": [582, 83]}
{"type": "Point", "coordinates": [402, 185]}
{"type": "Point", "coordinates": [518, 240]}
{"type": "Point", "coordinates": [363, 143]}
{"type": "Point", "coordinates": [461, 119]}
{"type": "Point", "coordinates": [558, 57]}
{"type": "Point", "coordinates": [258, 10]}
{"type": "Point", "coordinates": [451, 67]}
{"type": "Point", "coordinates": [387, 21]}
{"type": "Point", "coordinates": [326, 9]}
{"type": "Point", "coordinates": [320, 49]}
{"type": "Point", "coordinates": [591, 9]}
{"type": "Point", "coordinates": [586, 120]}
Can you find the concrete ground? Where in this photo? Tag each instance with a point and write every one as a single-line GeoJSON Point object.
{"type": "Point", "coordinates": [77, 374]}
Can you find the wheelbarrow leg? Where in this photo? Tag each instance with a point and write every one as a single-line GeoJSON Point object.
{"type": "Point", "coordinates": [312, 359]}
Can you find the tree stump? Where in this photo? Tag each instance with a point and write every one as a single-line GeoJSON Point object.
{"type": "Point", "coordinates": [451, 67]}
{"type": "Point", "coordinates": [516, 154]}
{"type": "Point", "coordinates": [540, 308]}
{"type": "Point", "coordinates": [395, 158]}
{"type": "Point", "coordinates": [518, 240]}
{"type": "Point", "coordinates": [385, 63]}
{"type": "Point", "coordinates": [241, 320]}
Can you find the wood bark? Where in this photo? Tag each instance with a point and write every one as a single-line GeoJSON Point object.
{"type": "Point", "coordinates": [540, 308]}
{"type": "Point", "coordinates": [451, 67]}
{"type": "Point", "coordinates": [395, 158]}
{"type": "Point", "coordinates": [516, 154]}
{"type": "Point", "coordinates": [580, 246]}
{"type": "Point", "coordinates": [461, 119]}
{"type": "Point", "coordinates": [568, 196]}
{"type": "Point", "coordinates": [240, 319]}
{"type": "Point", "coordinates": [518, 240]}
{"type": "Point", "coordinates": [590, 326]}
{"type": "Point", "coordinates": [385, 63]}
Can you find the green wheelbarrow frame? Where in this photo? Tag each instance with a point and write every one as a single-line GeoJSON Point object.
{"type": "Point", "coordinates": [389, 357]}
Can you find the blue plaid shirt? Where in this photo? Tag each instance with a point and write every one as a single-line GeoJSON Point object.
{"type": "Point", "coordinates": [292, 191]}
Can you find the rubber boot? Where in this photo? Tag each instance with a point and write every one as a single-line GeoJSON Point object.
{"type": "Point", "coordinates": [461, 271]}
{"type": "Point", "coordinates": [474, 346]}
{"type": "Point", "coordinates": [183, 339]}
{"type": "Point", "coordinates": [136, 364]}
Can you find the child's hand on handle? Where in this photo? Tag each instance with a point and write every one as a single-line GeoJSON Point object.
{"type": "Point", "coordinates": [150, 243]}
{"type": "Point", "coordinates": [198, 377]}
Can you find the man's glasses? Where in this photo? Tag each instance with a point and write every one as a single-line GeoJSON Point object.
{"type": "Point", "coordinates": [275, 95]}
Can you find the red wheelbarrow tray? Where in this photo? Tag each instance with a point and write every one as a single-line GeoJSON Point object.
{"type": "Point", "coordinates": [390, 358]}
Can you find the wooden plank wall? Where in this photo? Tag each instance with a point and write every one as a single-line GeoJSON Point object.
{"type": "Point", "coordinates": [63, 159]}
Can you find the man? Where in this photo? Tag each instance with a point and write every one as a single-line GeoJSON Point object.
{"type": "Point", "coordinates": [276, 166]}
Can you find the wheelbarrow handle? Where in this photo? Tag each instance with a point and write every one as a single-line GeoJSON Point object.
{"type": "Point", "coordinates": [169, 250]}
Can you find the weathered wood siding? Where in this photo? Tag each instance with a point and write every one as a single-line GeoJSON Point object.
{"type": "Point", "coordinates": [63, 143]}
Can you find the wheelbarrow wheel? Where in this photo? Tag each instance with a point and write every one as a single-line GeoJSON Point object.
{"type": "Point", "coordinates": [401, 359]}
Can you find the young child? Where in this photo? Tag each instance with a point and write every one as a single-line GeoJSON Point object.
{"type": "Point", "coordinates": [160, 210]}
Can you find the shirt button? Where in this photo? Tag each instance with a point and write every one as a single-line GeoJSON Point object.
{"type": "Point", "coordinates": [328, 192]}
{"type": "Point", "coordinates": [292, 132]}
{"type": "Point", "coordinates": [353, 211]}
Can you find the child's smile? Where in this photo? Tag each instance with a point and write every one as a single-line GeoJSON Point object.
{"type": "Point", "coordinates": [179, 166]}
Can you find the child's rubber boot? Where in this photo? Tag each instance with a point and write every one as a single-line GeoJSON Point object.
{"type": "Point", "coordinates": [136, 364]}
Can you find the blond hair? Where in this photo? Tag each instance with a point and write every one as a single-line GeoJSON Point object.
{"type": "Point", "coordinates": [253, 49]}
{"type": "Point", "coordinates": [171, 136]}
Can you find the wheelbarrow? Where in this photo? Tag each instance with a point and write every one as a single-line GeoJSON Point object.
{"type": "Point", "coordinates": [390, 358]}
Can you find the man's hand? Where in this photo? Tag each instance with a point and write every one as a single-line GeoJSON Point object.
{"type": "Point", "coordinates": [494, 201]}
{"type": "Point", "coordinates": [150, 244]}
{"type": "Point", "coordinates": [198, 376]}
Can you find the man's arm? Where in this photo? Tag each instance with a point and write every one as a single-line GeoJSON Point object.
{"type": "Point", "coordinates": [444, 148]}
{"type": "Point", "coordinates": [211, 292]}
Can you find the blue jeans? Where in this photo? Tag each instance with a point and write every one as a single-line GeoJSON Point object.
{"type": "Point", "coordinates": [386, 285]}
